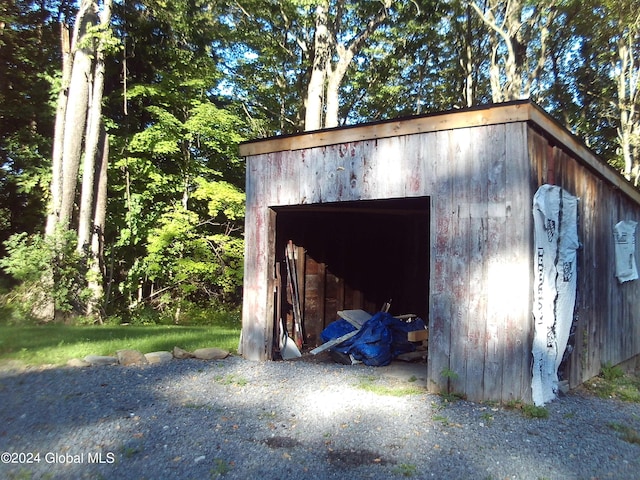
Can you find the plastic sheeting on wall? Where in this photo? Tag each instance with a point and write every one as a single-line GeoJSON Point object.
{"type": "Point", "coordinates": [625, 250]}
{"type": "Point", "coordinates": [555, 213]}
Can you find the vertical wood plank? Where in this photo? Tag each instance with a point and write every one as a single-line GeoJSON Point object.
{"type": "Point", "coordinates": [441, 302]}
{"type": "Point", "coordinates": [482, 149]}
{"type": "Point", "coordinates": [256, 313]}
{"type": "Point", "coordinates": [286, 178]}
{"type": "Point", "coordinates": [516, 373]}
{"type": "Point", "coordinates": [388, 174]}
{"type": "Point", "coordinates": [334, 286]}
{"type": "Point", "coordinates": [314, 300]}
{"type": "Point", "coordinates": [311, 168]}
{"type": "Point", "coordinates": [331, 173]}
{"type": "Point", "coordinates": [416, 179]}
{"type": "Point", "coordinates": [458, 157]}
{"type": "Point", "coordinates": [498, 268]}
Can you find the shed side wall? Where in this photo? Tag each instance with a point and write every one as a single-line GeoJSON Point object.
{"type": "Point", "coordinates": [607, 323]}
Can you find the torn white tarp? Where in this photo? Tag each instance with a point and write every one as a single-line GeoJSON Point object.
{"type": "Point", "coordinates": [555, 214]}
{"type": "Point", "coordinates": [625, 250]}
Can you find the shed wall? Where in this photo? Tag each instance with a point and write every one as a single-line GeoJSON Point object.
{"type": "Point", "coordinates": [479, 180]}
{"type": "Point", "coordinates": [607, 323]}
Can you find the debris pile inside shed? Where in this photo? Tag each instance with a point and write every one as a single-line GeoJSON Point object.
{"type": "Point", "coordinates": [375, 340]}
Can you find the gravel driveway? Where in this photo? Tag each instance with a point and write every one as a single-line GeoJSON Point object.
{"type": "Point", "coordinates": [235, 419]}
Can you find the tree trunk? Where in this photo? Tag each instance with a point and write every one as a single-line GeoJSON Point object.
{"type": "Point", "coordinates": [76, 116]}
{"type": "Point", "coordinates": [494, 71]}
{"type": "Point", "coordinates": [93, 136]}
{"type": "Point", "coordinates": [96, 259]}
{"type": "Point", "coordinates": [628, 76]}
{"type": "Point", "coordinates": [327, 78]}
{"type": "Point", "coordinates": [79, 131]}
{"type": "Point", "coordinates": [322, 54]}
{"type": "Point", "coordinates": [335, 78]}
{"type": "Point", "coordinates": [61, 110]}
{"type": "Point", "coordinates": [467, 62]}
{"type": "Point", "coordinates": [508, 28]}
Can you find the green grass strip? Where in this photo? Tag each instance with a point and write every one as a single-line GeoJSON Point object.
{"type": "Point", "coordinates": [55, 344]}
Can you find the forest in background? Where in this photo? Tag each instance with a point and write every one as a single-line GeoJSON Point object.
{"type": "Point", "coordinates": [121, 188]}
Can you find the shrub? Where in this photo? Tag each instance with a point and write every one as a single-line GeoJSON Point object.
{"type": "Point", "coordinates": [50, 275]}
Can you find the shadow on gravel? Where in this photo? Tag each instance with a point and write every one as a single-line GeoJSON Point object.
{"type": "Point", "coordinates": [235, 419]}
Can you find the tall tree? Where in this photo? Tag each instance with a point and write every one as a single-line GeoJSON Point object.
{"type": "Point", "coordinates": [625, 68]}
{"type": "Point", "coordinates": [29, 59]}
{"type": "Point", "coordinates": [79, 133]}
{"type": "Point", "coordinates": [174, 136]}
{"type": "Point", "coordinates": [340, 33]}
{"type": "Point", "coordinates": [519, 36]}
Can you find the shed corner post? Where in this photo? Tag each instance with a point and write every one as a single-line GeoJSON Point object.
{"type": "Point", "coordinates": [257, 305]}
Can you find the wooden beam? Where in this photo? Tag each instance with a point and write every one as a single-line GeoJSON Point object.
{"type": "Point", "coordinates": [335, 341]}
{"type": "Point", "coordinates": [505, 113]}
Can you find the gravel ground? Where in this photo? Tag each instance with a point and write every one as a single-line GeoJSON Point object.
{"type": "Point", "coordinates": [235, 419]}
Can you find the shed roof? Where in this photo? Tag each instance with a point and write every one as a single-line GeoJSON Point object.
{"type": "Point", "coordinates": [516, 111]}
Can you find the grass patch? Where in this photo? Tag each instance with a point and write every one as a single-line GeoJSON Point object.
{"type": "Point", "coordinates": [614, 383]}
{"type": "Point", "coordinates": [406, 470]}
{"type": "Point", "coordinates": [220, 468]}
{"type": "Point", "coordinates": [370, 384]}
{"type": "Point", "coordinates": [529, 411]}
{"type": "Point", "coordinates": [452, 397]}
{"type": "Point", "coordinates": [231, 379]}
{"type": "Point", "coordinates": [55, 344]}
{"type": "Point", "coordinates": [627, 433]}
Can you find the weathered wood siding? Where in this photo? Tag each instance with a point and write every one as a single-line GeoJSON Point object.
{"type": "Point", "coordinates": [478, 179]}
{"type": "Point", "coordinates": [607, 321]}
{"type": "Point", "coordinates": [479, 342]}
{"type": "Point", "coordinates": [480, 170]}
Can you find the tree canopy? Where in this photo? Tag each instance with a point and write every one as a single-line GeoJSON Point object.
{"type": "Point", "coordinates": [120, 180]}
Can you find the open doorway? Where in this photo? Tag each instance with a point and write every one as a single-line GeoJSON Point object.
{"type": "Point", "coordinates": [354, 255]}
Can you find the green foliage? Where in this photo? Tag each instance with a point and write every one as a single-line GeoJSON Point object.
{"type": "Point", "coordinates": [221, 467]}
{"type": "Point", "coordinates": [529, 411]}
{"type": "Point", "coordinates": [196, 259]}
{"type": "Point", "coordinates": [224, 201]}
{"type": "Point", "coordinates": [49, 270]}
{"type": "Point", "coordinates": [614, 383]}
{"type": "Point", "coordinates": [532, 411]}
{"type": "Point", "coordinates": [611, 372]}
{"type": "Point", "coordinates": [627, 433]}
{"type": "Point", "coordinates": [449, 374]}
{"type": "Point", "coordinates": [406, 469]}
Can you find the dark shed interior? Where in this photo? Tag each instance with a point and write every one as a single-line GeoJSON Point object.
{"type": "Point", "coordinates": [354, 255]}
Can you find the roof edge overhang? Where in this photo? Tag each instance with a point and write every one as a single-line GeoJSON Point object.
{"type": "Point", "coordinates": [516, 111]}
{"type": "Point", "coordinates": [493, 114]}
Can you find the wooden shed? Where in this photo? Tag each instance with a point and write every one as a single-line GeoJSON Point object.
{"type": "Point", "coordinates": [435, 213]}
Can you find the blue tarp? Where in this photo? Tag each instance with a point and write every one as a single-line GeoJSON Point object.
{"type": "Point", "coordinates": [380, 339]}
